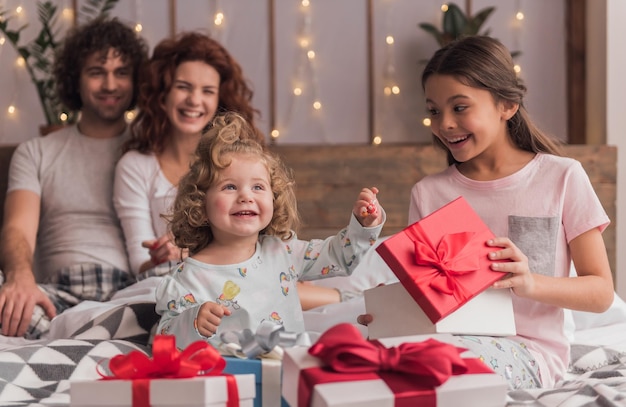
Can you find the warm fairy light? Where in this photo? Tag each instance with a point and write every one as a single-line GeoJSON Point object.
{"type": "Point", "coordinates": [444, 7]}
{"type": "Point", "coordinates": [68, 13]}
{"type": "Point", "coordinates": [11, 109]}
{"type": "Point", "coordinates": [519, 16]}
{"type": "Point", "coordinates": [19, 9]}
{"type": "Point", "coordinates": [275, 133]}
{"type": "Point", "coordinates": [63, 117]}
{"type": "Point", "coordinates": [20, 62]}
{"type": "Point", "coordinates": [305, 3]}
{"type": "Point", "coordinates": [389, 39]}
{"type": "Point", "coordinates": [130, 115]}
{"type": "Point", "coordinates": [387, 91]}
{"type": "Point", "coordinates": [311, 54]}
{"type": "Point", "coordinates": [138, 27]}
{"type": "Point", "coordinates": [377, 140]}
{"type": "Point", "coordinates": [395, 89]}
{"type": "Point", "coordinates": [304, 42]}
{"type": "Point", "coordinates": [297, 91]}
{"type": "Point", "coordinates": [219, 18]}
{"type": "Point", "coordinates": [426, 122]}
{"type": "Point", "coordinates": [517, 68]}
{"type": "Point", "coordinates": [317, 105]}
{"type": "Point", "coordinates": [2, 40]}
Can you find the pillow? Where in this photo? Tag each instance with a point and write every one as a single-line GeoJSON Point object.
{"type": "Point", "coordinates": [592, 357]}
{"type": "Point", "coordinates": [614, 315]}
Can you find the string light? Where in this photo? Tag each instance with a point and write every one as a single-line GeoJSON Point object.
{"type": "Point", "coordinates": [68, 13]}
{"type": "Point", "coordinates": [130, 115]}
{"type": "Point", "coordinates": [426, 122]}
{"type": "Point", "coordinates": [304, 83]}
{"type": "Point", "coordinates": [390, 86]}
{"type": "Point", "coordinates": [11, 109]}
{"type": "Point", "coordinates": [138, 25]}
{"type": "Point", "coordinates": [218, 20]}
{"type": "Point", "coordinates": [519, 18]}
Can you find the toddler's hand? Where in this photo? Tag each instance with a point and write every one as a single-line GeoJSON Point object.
{"type": "Point", "coordinates": [367, 209]}
{"type": "Point", "coordinates": [519, 277]}
{"type": "Point", "coordinates": [209, 318]}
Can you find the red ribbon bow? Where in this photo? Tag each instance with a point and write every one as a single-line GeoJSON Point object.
{"type": "Point", "coordinates": [411, 370]}
{"type": "Point", "coordinates": [343, 349]}
{"type": "Point", "coordinates": [198, 359]}
{"type": "Point", "coordinates": [455, 255]}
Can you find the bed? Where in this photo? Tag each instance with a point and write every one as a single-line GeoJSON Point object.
{"type": "Point", "coordinates": [38, 373]}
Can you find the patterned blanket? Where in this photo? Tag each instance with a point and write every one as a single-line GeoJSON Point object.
{"type": "Point", "coordinates": [38, 374]}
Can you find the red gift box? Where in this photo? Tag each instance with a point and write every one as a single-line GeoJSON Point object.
{"type": "Point", "coordinates": [413, 373]}
{"type": "Point", "coordinates": [442, 260]}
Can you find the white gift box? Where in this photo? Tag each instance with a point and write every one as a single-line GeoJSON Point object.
{"type": "Point", "coordinates": [395, 313]}
{"type": "Point", "coordinates": [468, 390]}
{"type": "Point", "coordinates": [203, 391]}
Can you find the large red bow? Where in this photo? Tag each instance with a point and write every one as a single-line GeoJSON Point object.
{"type": "Point", "coordinates": [454, 255]}
{"type": "Point", "coordinates": [343, 349]}
{"type": "Point", "coordinates": [198, 359]}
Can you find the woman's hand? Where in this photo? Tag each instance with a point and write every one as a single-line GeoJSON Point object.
{"type": "Point", "coordinates": [162, 250]}
{"type": "Point", "coordinates": [519, 277]}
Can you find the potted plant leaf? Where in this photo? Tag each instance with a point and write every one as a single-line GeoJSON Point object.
{"type": "Point", "coordinates": [455, 24]}
{"type": "Point", "coordinates": [38, 54]}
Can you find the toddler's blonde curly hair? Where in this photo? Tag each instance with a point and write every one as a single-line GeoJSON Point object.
{"type": "Point", "coordinates": [230, 134]}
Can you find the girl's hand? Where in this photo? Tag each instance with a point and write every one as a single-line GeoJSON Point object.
{"type": "Point", "coordinates": [519, 277]}
{"type": "Point", "coordinates": [367, 209]}
{"type": "Point", "coordinates": [209, 318]}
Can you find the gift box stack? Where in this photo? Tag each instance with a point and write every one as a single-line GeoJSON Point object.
{"type": "Point", "coordinates": [444, 271]}
{"type": "Point", "coordinates": [342, 369]}
{"type": "Point", "coordinates": [191, 378]}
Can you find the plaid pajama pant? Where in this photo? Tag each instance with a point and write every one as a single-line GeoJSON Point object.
{"type": "Point", "coordinates": [82, 282]}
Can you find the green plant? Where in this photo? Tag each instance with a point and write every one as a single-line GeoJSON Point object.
{"type": "Point", "coordinates": [455, 24]}
{"type": "Point", "coordinates": [38, 54]}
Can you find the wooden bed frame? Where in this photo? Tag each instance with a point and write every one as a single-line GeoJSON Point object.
{"type": "Point", "coordinates": [328, 178]}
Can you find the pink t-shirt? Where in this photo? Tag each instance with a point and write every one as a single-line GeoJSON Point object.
{"type": "Point", "coordinates": [541, 208]}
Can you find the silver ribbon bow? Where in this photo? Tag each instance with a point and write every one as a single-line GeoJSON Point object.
{"type": "Point", "coordinates": [268, 341]}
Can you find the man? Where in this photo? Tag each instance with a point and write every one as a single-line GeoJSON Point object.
{"type": "Point", "coordinates": [60, 228]}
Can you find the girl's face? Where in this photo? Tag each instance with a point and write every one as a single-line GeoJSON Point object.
{"type": "Point", "coordinates": [240, 203]}
{"type": "Point", "coordinates": [467, 120]}
{"type": "Point", "coordinates": [193, 99]}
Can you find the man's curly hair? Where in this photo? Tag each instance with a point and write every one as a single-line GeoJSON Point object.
{"type": "Point", "coordinates": [229, 135]}
{"type": "Point", "coordinates": [99, 35]}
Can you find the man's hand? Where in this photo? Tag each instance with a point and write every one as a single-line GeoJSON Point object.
{"type": "Point", "coordinates": [17, 302]}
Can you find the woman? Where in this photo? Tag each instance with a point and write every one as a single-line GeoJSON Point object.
{"type": "Point", "coordinates": [187, 80]}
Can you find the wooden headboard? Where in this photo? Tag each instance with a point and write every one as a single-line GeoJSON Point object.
{"type": "Point", "coordinates": [329, 177]}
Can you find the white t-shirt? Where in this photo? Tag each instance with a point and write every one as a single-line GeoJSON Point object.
{"type": "Point", "coordinates": [541, 208]}
{"type": "Point", "coordinates": [73, 175]}
{"type": "Point", "coordinates": [141, 195]}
